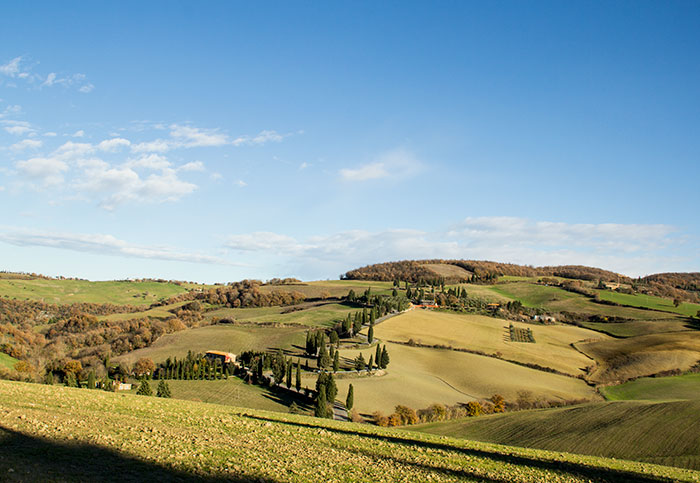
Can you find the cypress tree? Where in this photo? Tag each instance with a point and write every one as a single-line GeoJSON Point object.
{"type": "Point", "coordinates": [336, 361]}
{"type": "Point", "coordinates": [385, 358]}
{"type": "Point", "coordinates": [289, 375]}
{"type": "Point", "coordinates": [350, 400]}
{"type": "Point", "coordinates": [370, 364]}
{"type": "Point", "coordinates": [321, 406]}
{"type": "Point", "coordinates": [370, 334]}
{"type": "Point", "coordinates": [163, 389]}
{"type": "Point", "coordinates": [378, 355]}
{"type": "Point", "coordinates": [91, 380]}
{"type": "Point", "coordinates": [298, 378]}
{"type": "Point", "coordinates": [144, 389]}
{"type": "Point", "coordinates": [331, 388]}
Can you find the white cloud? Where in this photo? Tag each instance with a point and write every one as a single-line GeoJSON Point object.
{"type": "Point", "coordinates": [241, 183]}
{"type": "Point", "coordinates": [304, 165]}
{"type": "Point", "coordinates": [50, 80]}
{"type": "Point", "coordinates": [12, 68]}
{"type": "Point", "coordinates": [26, 144]}
{"type": "Point", "coordinates": [262, 137]}
{"type": "Point", "coordinates": [363, 173]}
{"type": "Point", "coordinates": [157, 146]}
{"type": "Point", "coordinates": [50, 134]}
{"type": "Point", "coordinates": [633, 249]}
{"type": "Point", "coordinates": [149, 161]}
{"type": "Point", "coordinates": [17, 69]}
{"type": "Point", "coordinates": [100, 244]}
{"type": "Point", "coordinates": [18, 128]}
{"type": "Point", "coordinates": [79, 134]}
{"type": "Point", "coordinates": [395, 164]}
{"type": "Point", "coordinates": [111, 145]}
{"type": "Point", "coordinates": [192, 166]}
{"type": "Point", "coordinates": [191, 137]}
{"type": "Point", "coordinates": [12, 109]}
{"type": "Point", "coordinates": [48, 171]}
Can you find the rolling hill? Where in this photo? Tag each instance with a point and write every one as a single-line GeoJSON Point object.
{"type": "Point", "coordinates": [51, 431]}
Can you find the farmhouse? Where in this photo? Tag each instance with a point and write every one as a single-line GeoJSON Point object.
{"type": "Point", "coordinates": [224, 357]}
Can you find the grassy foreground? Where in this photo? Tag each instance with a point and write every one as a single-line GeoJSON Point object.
{"type": "Point", "coordinates": [65, 434]}
{"type": "Point", "coordinates": [658, 432]}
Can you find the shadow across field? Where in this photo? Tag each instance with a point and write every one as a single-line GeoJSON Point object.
{"type": "Point", "coordinates": [590, 472]}
{"type": "Point", "coordinates": [28, 458]}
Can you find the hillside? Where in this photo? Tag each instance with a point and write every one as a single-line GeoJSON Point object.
{"type": "Point", "coordinates": [81, 435]}
{"type": "Point", "coordinates": [655, 432]}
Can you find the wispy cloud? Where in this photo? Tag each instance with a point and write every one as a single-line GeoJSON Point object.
{"type": "Point", "coordinates": [18, 128]}
{"type": "Point", "coordinates": [101, 244]}
{"type": "Point", "coordinates": [633, 249]}
{"type": "Point", "coordinates": [396, 164]}
{"type": "Point", "coordinates": [19, 69]}
{"type": "Point", "coordinates": [26, 144]}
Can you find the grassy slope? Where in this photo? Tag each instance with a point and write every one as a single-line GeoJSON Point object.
{"type": "Point", "coordinates": [71, 291]}
{"type": "Point", "coordinates": [315, 316]}
{"type": "Point", "coordinates": [230, 392]}
{"type": "Point", "coordinates": [418, 377]}
{"type": "Point", "coordinates": [623, 359]}
{"type": "Point", "coordinates": [555, 299]}
{"type": "Point", "coordinates": [664, 433]}
{"type": "Point", "coordinates": [7, 361]}
{"type": "Point", "coordinates": [639, 327]}
{"type": "Point", "coordinates": [80, 435]}
{"type": "Point", "coordinates": [649, 301]}
{"type": "Point", "coordinates": [656, 388]}
{"type": "Point", "coordinates": [228, 338]}
{"type": "Point", "coordinates": [490, 335]}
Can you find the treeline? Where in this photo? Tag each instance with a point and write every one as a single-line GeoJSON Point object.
{"type": "Point", "coordinates": [415, 270]}
{"type": "Point", "coordinates": [246, 293]}
{"type": "Point", "coordinates": [404, 415]}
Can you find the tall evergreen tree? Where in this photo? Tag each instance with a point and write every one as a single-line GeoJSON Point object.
{"type": "Point", "coordinates": [350, 400]}
{"type": "Point", "coordinates": [91, 380]}
{"type": "Point", "coordinates": [385, 358]}
{"type": "Point", "coordinates": [336, 361]}
{"type": "Point", "coordinates": [163, 389]}
{"type": "Point", "coordinates": [144, 389]}
{"type": "Point", "coordinates": [331, 388]}
{"type": "Point", "coordinates": [297, 382]}
{"type": "Point", "coordinates": [360, 362]}
{"type": "Point", "coordinates": [370, 364]}
{"type": "Point", "coordinates": [370, 334]}
{"type": "Point", "coordinates": [378, 355]}
{"type": "Point", "coordinates": [289, 375]}
{"type": "Point", "coordinates": [321, 406]}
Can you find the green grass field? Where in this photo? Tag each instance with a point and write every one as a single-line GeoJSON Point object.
{"type": "Point", "coordinates": [663, 433]}
{"type": "Point", "coordinates": [7, 362]}
{"type": "Point", "coordinates": [418, 377]}
{"type": "Point", "coordinates": [325, 315]}
{"type": "Point", "coordinates": [686, 386]}
{"type": "Point", "coordinates": [71, 291]}
{"type": "Point", "coordinates": [650, 302]}
{"type": "Point", "coordinates": [68, 434]}
{"type": "Point", "coordinates": [229, 338]}
{"type": "Point", "coordinates": [622, 359]}
{"type": "Point", "coordinates": [230, 392]}
{"type": "Point", "coordinates": [487, 334]}
{"type": "Point", "coordinates": [555, 299]}
{"type": "Point", "coordinates": [639, 327]}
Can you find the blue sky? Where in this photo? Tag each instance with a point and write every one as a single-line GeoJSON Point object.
{"type": "Point", "coordinates": [221, 141]}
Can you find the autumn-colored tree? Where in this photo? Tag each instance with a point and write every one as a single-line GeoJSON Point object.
{"type": "Point", "coordinates": [144, 367]}
{"type": "Point", "coordinates": [499, 404]}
